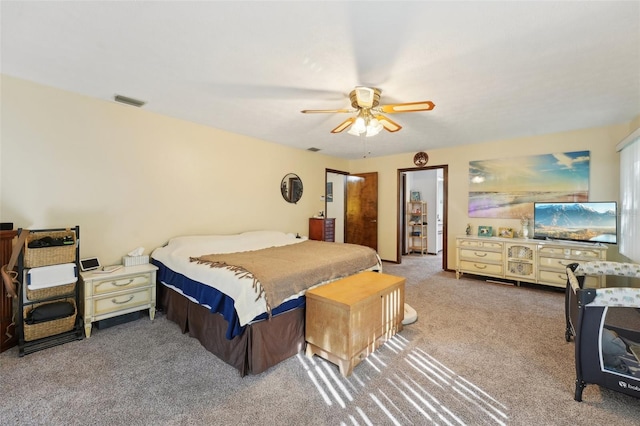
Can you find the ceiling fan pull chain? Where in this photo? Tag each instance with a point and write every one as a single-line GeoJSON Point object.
{"type": "Point", "coordinates": [365, 153]}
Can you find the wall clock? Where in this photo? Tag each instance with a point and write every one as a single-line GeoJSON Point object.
{"type": "Point", "coordinates": [420, 159]}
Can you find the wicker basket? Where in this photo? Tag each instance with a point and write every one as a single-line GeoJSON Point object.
{"type": "Point", "coordinates": [45, 256]}
{"type": "Point", "coordinates": [48, 328]}
{"type": "Point", "coordinates": [45, 293]}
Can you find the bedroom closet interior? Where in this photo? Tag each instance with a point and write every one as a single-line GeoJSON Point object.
{"type": "Point", "coordinates": [424, 192]}
{"type": "Point", "coordinates": [334, 204]}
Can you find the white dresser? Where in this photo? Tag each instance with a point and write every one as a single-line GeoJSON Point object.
{"type": "Point", "coordinates": [527, 260]}
{"type": "Point", "coordinates": [128, 289]}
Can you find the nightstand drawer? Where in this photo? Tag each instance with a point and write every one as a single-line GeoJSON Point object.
{"type": "Point", "coordinates": [121, 301]}
{"type": "Point", "coordinates": [120, 283]}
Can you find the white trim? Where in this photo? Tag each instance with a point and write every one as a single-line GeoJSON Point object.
{"type": "Point", "coordinates": [629, 242]}
{"type": "Point", "coordinates": [634, 136]}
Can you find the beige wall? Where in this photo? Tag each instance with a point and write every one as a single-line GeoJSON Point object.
{"type": "Point", "coordinates": [603, 184]}
{"type": "Point", "coordinates": [132, 178]}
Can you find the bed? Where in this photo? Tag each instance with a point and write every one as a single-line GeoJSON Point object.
{"type": "Point", "coordinates": [242, 295]}
{"type": "Point", "coordinates": [605, 324]}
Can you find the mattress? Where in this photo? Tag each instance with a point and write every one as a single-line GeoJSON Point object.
{"type": "Point", "coordinates": [222, 290]}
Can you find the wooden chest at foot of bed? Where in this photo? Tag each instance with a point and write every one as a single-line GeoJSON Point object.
{"type": "Point", "coordinates": [348, 319]}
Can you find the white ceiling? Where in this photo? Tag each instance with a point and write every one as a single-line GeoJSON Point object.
{"type": "Point", "coordinates": [495, 70]}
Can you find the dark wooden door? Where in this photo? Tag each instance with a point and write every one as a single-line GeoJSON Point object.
{"type": "Point", "coordinates": [362, 210]}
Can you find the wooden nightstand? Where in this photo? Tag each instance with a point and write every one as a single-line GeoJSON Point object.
{"type": "Point", "coordinates": [129, 289]}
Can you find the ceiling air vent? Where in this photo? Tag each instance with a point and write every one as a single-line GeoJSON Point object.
{"type": "Point", "coordinates": [128, 101]}
{"type": "Point", "coordinates": [312, 149]}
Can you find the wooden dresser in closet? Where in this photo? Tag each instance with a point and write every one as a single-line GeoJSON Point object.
{"type": "Point", "coordinates": [322, 229]}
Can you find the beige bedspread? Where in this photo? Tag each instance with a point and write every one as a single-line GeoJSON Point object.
{"type": "Point", "coordinates": [279, 272]}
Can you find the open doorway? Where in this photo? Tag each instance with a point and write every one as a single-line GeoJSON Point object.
{"type": "Point", "coordinates": [335, 201]}
{"type": "Point", "coordinates": [352, 199]}
{"type": "Point", "coordinates": [429, 186]}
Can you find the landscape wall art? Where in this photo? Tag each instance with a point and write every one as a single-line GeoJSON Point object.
{"type": "Point", "coordinates": [508, 187]}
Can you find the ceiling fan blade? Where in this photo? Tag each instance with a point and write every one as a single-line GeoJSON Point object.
{"type": "Point", "coordinates": [313, 111]}
{"type": "Point", "coordinates": [407, 107]}
{"type": "Point", "coordinates": [258, 91]}
{"type": "Point", "coordinates": [389, 125]}
{"type": "Point", "coordinates": [346, 123]}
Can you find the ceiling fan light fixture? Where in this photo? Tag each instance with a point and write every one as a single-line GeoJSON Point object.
{"type": "Point", "coordinates": [371, 132]}
{"type": "Point", "coordinates": [374, 127]}
{"type": "Point", "coordinates": [353, 131]}
{"type": "Point", "coordinates": [360, 125]}
{"type": "Point", "coordinates": [365, 124]}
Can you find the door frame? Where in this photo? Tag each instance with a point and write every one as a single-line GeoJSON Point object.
{"type": "Point", "coordinates": [362, 192]}
{"type": "Point", "coordinates": [343, 195]}
{"type": "Point", "coordinates": [402, 206]}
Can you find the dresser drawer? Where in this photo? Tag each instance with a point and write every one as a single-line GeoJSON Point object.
{"type": "Point", "coordinates": [552, 251]}
{"type": "Point", "coordinates": [485, 245]}
{"type": "Point", "coordinates": [481, 268]}
{"type": "Point", "coordinates": [553, 277]}
{"type": "Point", "coordinates": [582, 253]}
{"type": "Point", "coordinates": [555, 263]}
{"type": "Point", "coordinates": [554, 272]}
{"type": "Point", "coordinates": [585, 254]}
{"type": "Point", "coordinates": [114, 303]}
{"type": "Point", "coordinates": [485, 256]}
{"type": "Point", "coordinates": [120, 283]}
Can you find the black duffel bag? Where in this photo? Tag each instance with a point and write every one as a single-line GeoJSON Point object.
{"type": "Point", "coordinates": [50, 312]}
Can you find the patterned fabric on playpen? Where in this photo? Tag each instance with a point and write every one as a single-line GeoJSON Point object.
{"type": "Point", "coordinates": [605, 323]}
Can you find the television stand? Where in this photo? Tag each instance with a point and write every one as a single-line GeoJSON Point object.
{"type": "Point", "coordinates": [526, 260]}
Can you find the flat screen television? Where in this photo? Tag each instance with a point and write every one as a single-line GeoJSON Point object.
{"type": "Point", "coordinates": [594, 221]}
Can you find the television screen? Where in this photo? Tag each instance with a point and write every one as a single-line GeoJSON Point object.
{"type": "Point", "coordinates": [594, 221]}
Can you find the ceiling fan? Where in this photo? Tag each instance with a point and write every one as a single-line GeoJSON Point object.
{"type": "Point", "coordinates": [369, 119]}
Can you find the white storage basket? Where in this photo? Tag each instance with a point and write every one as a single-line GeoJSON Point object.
{"type": "Point", "coordinates": [50, 281]}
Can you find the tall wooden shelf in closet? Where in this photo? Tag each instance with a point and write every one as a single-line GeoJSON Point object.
{"type": "Point", "coordinates": [417, 227]}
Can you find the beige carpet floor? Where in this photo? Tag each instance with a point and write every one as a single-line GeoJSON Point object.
{"type": "Point", "coordinates": [479, 354]}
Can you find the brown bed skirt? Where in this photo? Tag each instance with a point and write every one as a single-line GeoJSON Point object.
{"type": "Point", "coordinates": [263, 344]}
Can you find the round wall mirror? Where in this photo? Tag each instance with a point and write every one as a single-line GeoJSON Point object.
{"type": "Point", "coordinates": [291, 188]}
